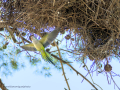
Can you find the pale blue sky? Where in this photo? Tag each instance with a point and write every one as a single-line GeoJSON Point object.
{"type": "Point", "coordinates": [28, 77]}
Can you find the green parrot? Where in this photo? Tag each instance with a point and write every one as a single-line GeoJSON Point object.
{"type": "Point", "coordinates": [40, 45]}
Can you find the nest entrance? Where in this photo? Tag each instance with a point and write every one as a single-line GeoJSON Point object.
{"type": "Point", "coordinates": [100, 42]}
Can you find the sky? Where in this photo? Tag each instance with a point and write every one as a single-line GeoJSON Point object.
{"type": "Point", "coordinates": [28, 79]}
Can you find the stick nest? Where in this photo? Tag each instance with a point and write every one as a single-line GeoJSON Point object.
{"type": "Point", "coordinates": [97, 22]}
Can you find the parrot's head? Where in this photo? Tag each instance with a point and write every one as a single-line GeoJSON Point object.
{"type": "Point", "coordinates": [31, 37]}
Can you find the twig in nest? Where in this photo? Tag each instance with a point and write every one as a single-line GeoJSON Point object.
{"type": "Point", "coordinates": [3, 24]}
{"type": "Point", "coordinates": [53, 2]}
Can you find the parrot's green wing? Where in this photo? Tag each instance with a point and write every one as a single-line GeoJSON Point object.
{"type": "Point", "coordinates": [47, 39]}
{"type": "Point", "coordinates": [29, 47]}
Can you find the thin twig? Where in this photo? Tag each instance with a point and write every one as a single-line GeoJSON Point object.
{"type": "Point", "coordinates": [114, 82]}
{"type": "Point", "coordinates": [62, 65]}
{"type": "Point", "coordinates": [91, 76]}
{"type": "Point", "coordinates": [11, 33]}
{"type": "Point", "coordinates": [81, 75]}
{"type": "Point", "coordinates": [24, 39]}
{"type": "Point", "coordinates": [60, 59]}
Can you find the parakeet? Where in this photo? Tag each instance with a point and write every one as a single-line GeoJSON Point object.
{"type": "Point", "coordinates": [39, 45]}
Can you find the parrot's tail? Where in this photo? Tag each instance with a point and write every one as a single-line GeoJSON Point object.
{"type": "Point", "coordinates": [47, 57]}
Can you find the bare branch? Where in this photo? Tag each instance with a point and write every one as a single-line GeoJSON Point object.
{"type": "Point", "coordinates": [2, 86]}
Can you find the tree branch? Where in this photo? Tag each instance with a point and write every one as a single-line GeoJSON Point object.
{"type": "Point", "coordinates": [2, 86]}
{"type": "Point", "coordinates": [62, 65]}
